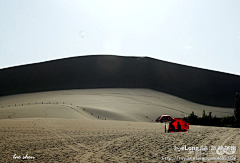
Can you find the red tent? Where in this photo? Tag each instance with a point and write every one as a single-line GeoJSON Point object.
{"type": "Point", "coordinates": [178, 125]}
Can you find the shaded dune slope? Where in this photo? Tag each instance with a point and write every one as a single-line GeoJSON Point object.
{"type": "Point", "coordinates": [194, 84]}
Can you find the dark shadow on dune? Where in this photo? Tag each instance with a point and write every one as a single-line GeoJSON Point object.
{"type": "Point", "coordinates": [194, 84]}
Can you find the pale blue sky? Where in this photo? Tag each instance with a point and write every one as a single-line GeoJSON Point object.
{"type": "Point", "coordinates": [199, 33]}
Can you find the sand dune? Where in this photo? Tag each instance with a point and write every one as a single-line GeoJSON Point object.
{"type": "Point", "coordinates": [102, 109]}
{"type": "Point", "coordinates": [85, 72]}
{"type": "Point", "coordinates": [78, 126]}
{"type": "Point", "coordinates": [70, 126]}
{"type": "Point", "coordinates": [142, 105]}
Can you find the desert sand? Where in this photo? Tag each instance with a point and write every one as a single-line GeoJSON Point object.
{"type": "Point", "coordinates": [107, 125]}
{"type": "Point", "coordinates": [66, 140]}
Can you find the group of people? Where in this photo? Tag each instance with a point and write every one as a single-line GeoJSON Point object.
{"type": "Point", "coordinates": [172, 128]}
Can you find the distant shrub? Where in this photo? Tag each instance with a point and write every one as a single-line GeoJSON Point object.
{"type": "Point", "coordinates": [229, 120]}
{"type": "Point", "coordinates": [203, 114]}
{"type": "Point", "coordinates": [192, 119]}
{"type": "Point", "coordinates": [237, 108]}
{"type": "Point", "coordinates": [208, 120]}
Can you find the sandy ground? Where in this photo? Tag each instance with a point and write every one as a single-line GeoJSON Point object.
{"type": "Point", "coordinates": [66, 140]}
{"type": "Point", "coordinates": [107, 125]}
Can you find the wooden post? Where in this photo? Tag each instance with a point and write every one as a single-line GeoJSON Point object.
{"type": "Point", "coordinates": [165, 127]}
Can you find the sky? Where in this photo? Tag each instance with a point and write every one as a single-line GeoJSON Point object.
{"type": "Point", "coordinates": [199, 33]}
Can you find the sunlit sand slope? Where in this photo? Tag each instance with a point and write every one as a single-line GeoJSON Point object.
{"type": "Point", "coordinates": [107, 104]}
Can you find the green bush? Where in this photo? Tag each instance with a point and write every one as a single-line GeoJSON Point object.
{"type": "Point", "coordinates": [229, 120]}
{"type": "Point", "coordinates": [208, 120]}
{"type": "Point", "coordinates": [237, 108]}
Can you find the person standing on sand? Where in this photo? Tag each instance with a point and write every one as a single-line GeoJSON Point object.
{"type": "Point", "coordinates": [171, 127]}
{"type": "Point", "coordinates": [179, 127]}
